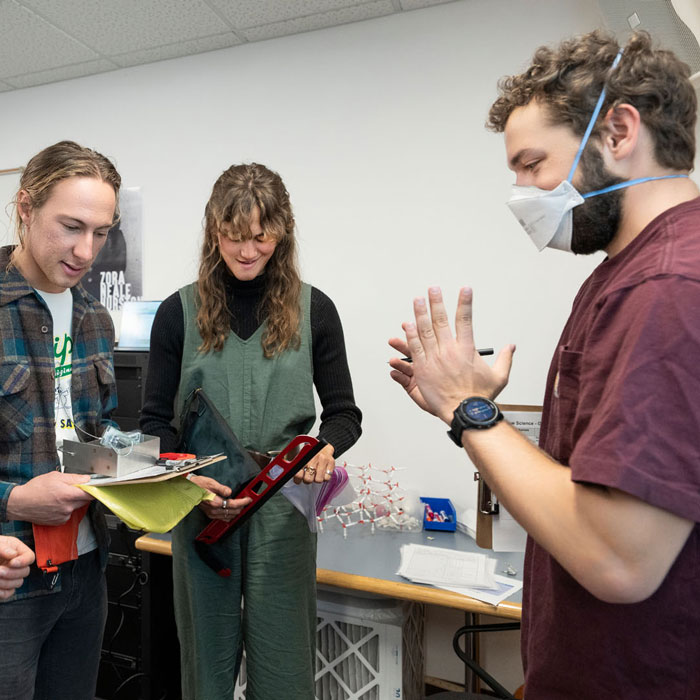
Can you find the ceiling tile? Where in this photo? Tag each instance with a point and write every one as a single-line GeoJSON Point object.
{"type": "Point", "coordinates": [63, 73]}
{"type": "Point", "coordinates": [319, 21]}
{"type": "Point", "coordinates": [253, 13]}
{"type": "Point", "coordinates": [417, 4]}
{"type": "Point", "coordinates": [44, 41]}
{"type": "Point", "coordinates": [30, 44]}
{"type": "Point", "coordinates": [118, 26]}
{"type": "Point", "coordinates": [184, 48]}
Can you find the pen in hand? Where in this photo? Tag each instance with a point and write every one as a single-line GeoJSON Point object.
{"type": "Point", "coordinates": [481, 351]}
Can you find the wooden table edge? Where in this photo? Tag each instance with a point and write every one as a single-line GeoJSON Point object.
{"type": "Point", "coordinates": [391, 589]}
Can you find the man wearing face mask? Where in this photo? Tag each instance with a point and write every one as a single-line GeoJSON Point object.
{"type": "Point", "coordinates": [601, 142]}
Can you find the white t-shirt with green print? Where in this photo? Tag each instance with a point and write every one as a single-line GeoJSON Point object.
{"type": "Point", "coordinates": [61, 308]}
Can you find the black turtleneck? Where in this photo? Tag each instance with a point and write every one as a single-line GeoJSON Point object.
{"type": "Point", "coordinates": [340, 417]}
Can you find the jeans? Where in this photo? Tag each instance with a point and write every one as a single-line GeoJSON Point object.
{"type": "Point", "coordinates": [50, 644]}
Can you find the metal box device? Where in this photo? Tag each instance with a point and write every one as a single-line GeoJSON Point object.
{"type": "Point", "coordinates": [93, 458]}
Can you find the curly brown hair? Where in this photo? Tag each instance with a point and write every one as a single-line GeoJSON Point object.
{"type": "Point", "coordinates": [569, 79]}
{"type": "Point", "coordinates": [237, 191]}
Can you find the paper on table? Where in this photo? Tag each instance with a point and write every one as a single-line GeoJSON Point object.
{"type": "Point", "coordinates": [439, 566]}
{"type": "Point", "coordinates": [489, 582]}
{"type": "Point", "coordinates": [505, 587]}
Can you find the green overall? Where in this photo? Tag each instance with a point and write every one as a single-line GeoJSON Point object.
{"type": "Point", "coordinates": [273, 557]}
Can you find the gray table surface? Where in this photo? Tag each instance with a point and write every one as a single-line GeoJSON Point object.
{"type": "Point", "coordinates": [378, 555]}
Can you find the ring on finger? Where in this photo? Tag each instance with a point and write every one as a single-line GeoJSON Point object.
{"type": "Point", "coordinates": [224, 504]}
{"type": "Point", "coordinates": [310, 470]}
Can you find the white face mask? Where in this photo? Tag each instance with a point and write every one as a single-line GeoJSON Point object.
{"type": "Point", "coordinates": [546, 214]}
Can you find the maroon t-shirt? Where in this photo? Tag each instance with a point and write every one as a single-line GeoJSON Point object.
{"type": "Point", "coordinates": [622, 409]}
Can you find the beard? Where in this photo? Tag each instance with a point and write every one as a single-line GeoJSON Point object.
{"type": "Point", "coordinates": [595, 222]}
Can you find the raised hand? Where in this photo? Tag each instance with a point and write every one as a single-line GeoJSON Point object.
{"type": "Point", "coordinates": [446, 369]}
{"type": "Point", "coordinates": [402, 373]}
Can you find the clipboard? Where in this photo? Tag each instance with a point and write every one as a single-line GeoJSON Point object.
{"type": "Point", "coordinates": [156, 502]}
{"type": "Point", "coordinates": [487, 504]}
{"type": "Point", "coordinates": [156, 474]}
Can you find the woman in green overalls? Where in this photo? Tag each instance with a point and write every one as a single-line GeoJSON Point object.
{"type": "Point", "coordinates": [257, 340]}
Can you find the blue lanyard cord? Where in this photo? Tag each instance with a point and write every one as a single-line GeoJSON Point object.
{"type": "Point", "coordinates": [629, 183]}
{"type": "Point", "coordinates": [591, 123]}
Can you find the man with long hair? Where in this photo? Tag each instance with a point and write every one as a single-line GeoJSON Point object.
{"type": "Point", "coordinates": [56, 380]}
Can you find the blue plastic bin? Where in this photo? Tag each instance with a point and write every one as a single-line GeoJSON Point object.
{"type": "Point", "coordinates": [438, 505]}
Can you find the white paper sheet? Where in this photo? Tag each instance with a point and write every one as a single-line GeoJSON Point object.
{"type": "Point", "coordinates": [505, 587]}
{"type": "Point", "coordinates": [100, 480]}
{"type": "Point", "coordinates": [466, 522]}
{"type": "Point", "coordinates": [526, 422]}
{"type": "Point", "coordinates": [153, 472]}
{"type": "Point", "coordinates": [507, 534]}
{"type": "Point", "coordinates": [445, 567]}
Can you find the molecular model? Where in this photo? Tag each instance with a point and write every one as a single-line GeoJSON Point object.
{"type": "Point", "coordinates": [380, 502]}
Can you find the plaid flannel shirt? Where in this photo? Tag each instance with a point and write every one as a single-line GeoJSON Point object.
{"type": "Point", "coordinates": [27, 389]}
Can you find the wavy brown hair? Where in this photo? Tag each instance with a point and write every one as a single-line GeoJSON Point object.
{"type": "Point", "coordinates": [569, 79]}
{"type": "Point", "coordinates": [237, 191]}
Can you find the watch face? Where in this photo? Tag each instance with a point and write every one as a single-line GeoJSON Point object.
{"type": "Point", "coordinates": [480, 410]}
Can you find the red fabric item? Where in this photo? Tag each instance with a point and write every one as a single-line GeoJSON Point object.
{"type": "Point", "coordinates": [56, 544]}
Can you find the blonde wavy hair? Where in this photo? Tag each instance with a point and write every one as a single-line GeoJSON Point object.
{"type": "Point", "coordinates": [58, 162]}
{"type": "Point", "coordinates": [237, 191]}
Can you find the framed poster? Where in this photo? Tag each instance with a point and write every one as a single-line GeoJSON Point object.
{"type": "Point", "coordinates": [116, 276]}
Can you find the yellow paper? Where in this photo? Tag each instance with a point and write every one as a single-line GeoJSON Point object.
{"type": "Point", "coordinates": [155, 507]}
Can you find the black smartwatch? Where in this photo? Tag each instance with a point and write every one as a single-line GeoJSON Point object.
{"type": "Point", "coordinates": [475, 412]}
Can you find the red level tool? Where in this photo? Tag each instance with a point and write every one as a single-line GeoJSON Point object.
{"type": "Point", "coordinates": [263, 486]}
